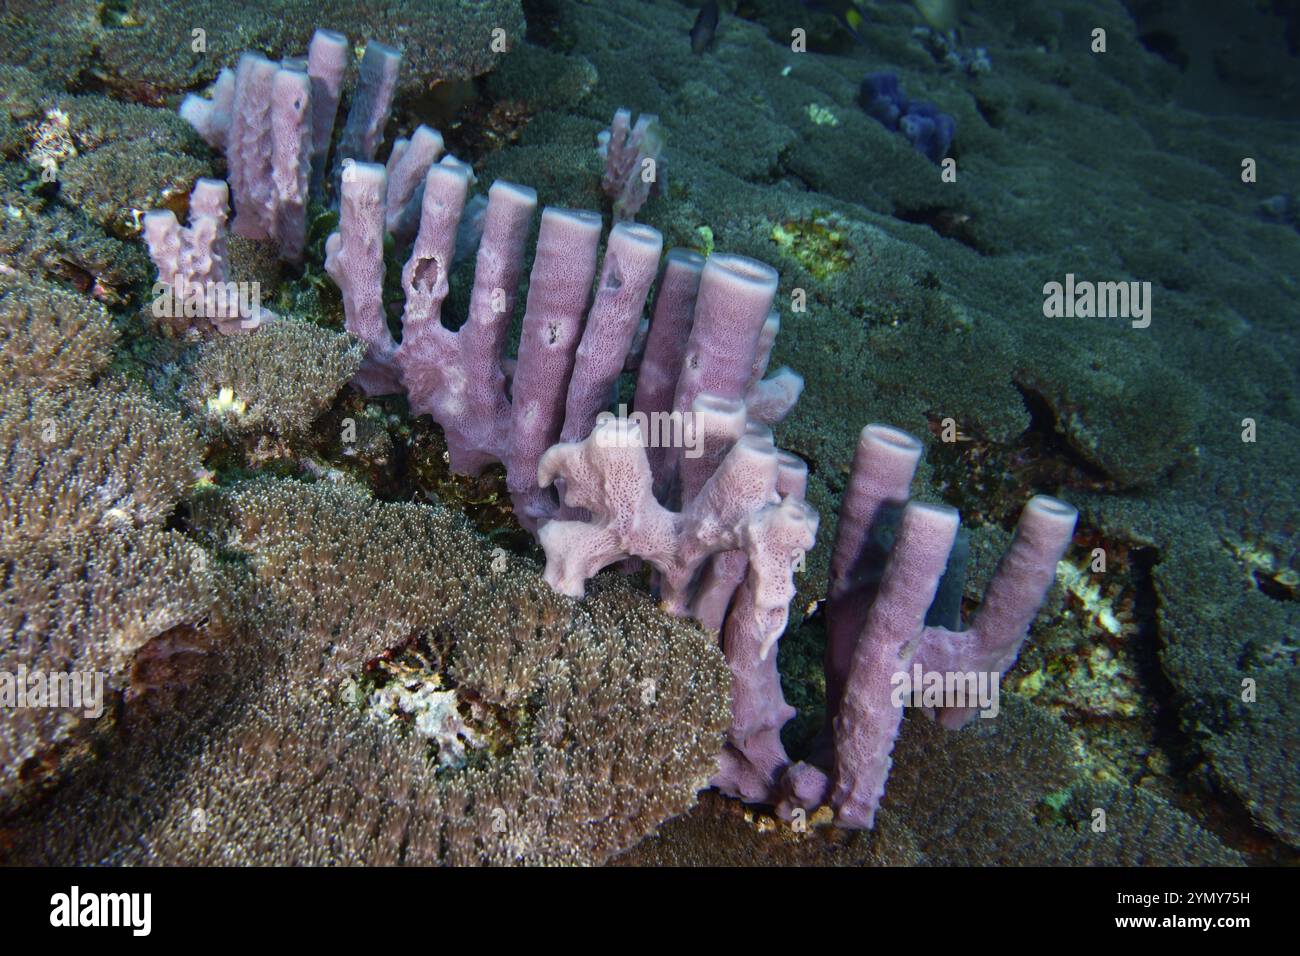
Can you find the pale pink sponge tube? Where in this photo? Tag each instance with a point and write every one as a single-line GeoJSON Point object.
{"type": "Point", "coordinates": [193, 288]}
{"type": "Point", "coordinates": [1017, 590]}
{"type": "Point", "coordinates": [607, 475]}
{"type": "Point", "coordinates": [753, 757]}
{"type": "Point", "coordinates": [631, 261]}
{"type": "Point", "coordinates": [558, 294]}
{"type": "Point", "coordinates": [661, 363]}
{"type": "Point", "coordinates": [354, 259]}
{"type": "Point", "coordinates": [260, 116]}
{"type": "Point", "coordinates": [881, 476]}
{"type": "Point", "coordinates": [407, 165]}
{"type": "Point", "coordinates": [734, 301]}
{"type": "Point", "coordinates": [867, 720]}
{"type": "Point", "coordinates": [876, 610]}
{"type": "Point", "coordinates": [457, 377]}
{"type": "Point", "coordinates": [327, 64]}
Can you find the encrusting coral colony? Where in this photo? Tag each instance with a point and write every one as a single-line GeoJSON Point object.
{"type": "Point", "coordinates": [568, 716]}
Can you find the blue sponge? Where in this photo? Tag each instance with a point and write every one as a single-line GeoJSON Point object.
{"type": "Point", "coordinates": [925, 127]}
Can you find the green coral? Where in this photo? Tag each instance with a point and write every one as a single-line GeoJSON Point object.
{"type": "Point", "coordinates": [818, 243]}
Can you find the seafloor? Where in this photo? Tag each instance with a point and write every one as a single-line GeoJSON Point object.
{"type": "Point", "coordinates": [1165, 690]}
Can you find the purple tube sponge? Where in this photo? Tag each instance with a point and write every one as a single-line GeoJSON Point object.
{"type": "Point", "coordinates": [731, 549]}
{"type": "Point", "coordinates": [635, 168]}
{"type": "Point", "coordinates": [734, 302]}
{"type": "Point", "coordinates": [753, 758]}
{"type": "Point", "coordinates": [249, 147]}
{"type": "Point", "coordinates": [876, 613]}
{"type": "Point", "coordinates": [573, 347]}
{"type": "Point", "coordinates": [408, 163]}
{"type": "Point", "coordinates": [274, 122]}
{"type": "Point", "coordinates": [661, 362]}
{"type": "Point", "coordinates": [558, 294]}
{"type": "Point", "coordinates": [211, 117]}
{"type": "Point", "coordinates": [371, 103]}
{"type": "Point", "coordinates": [714, 328]}
{"type": "Point", "coordinates": [193, 289]}
{"type": "Point", "coordinates": [457, 377]}
{"type": "Point", "coordinates": [631, 261]}
{"type": "Point", "coordinates": [328, 55]}
{"type": "Point", "coordinates": [752, 504]}
{"type": "Point", "coordinates": [425, 275]}
{"type": "Point", "coordinates": [354, 259]}
{"type": "Point", "coordinates": [867, 720]}
{"type": "Point", "coordinates": [880, 476]}
{"type": "Point", "coordinates": [260, 116]}
{"type": "Point", "coordinates": [291, 150]}
{"type": "Point", "coordinates": [769, 400]}
{"type": "Point", "coordinates": [1012, 599]}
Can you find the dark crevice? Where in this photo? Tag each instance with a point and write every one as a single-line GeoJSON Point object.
{"type": "Point", "coordinates": [992, 112]}
{"type": "Point", "coordinates": [945, 221]}
{"type": "Point", "coordinates": [1276, 585]}
{"type": "Point", "coordinates": [1200, 793]}
{"type": "Point", "coordinates": [1165, 45]}
{"type": "Point", "coordinates": [543, 18]}
{"type": "Point", "coordinates": [1044, 441]}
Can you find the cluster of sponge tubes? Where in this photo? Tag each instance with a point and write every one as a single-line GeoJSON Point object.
{"type": "Point", "coordinates": [274, 122]}
{"type": "Point", "coordinates": [723, 523]}
{"type": "Point", "coordinates": [723, 529]}
{"type": "Point", "coordinates": [722, 519]}
{"type": "Point", "coordinates": [704, 359]}
{"type": "Point", "coordinates": [879, 597]}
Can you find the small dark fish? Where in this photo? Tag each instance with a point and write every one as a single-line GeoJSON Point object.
{"type": "Point", "coordinates": [706, 25]}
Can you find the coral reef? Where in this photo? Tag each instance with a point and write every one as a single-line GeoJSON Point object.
{"type": "Point", "coordinates": [89, 573]}
{"type": "Point", "coordinates": [92, 146]}
{"type": "Point", "coordinates": [81, 459]}
{"type": "Point", "coordinates": [146, 50]}
{"type": "Point", "coordinates": [261, 706]}
{"type": "Point", "coordinates": [602, 719]}
{"type": "Point", "coordinates": [40, 238]}
{"type": "Point", "coordinates": [83, 608]}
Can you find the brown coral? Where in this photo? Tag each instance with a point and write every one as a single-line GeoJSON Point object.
{"type": "Point", "coordinates": [81, 458]}
{"type": "Point", "coordinates": [40, 236]}
{"type": "Point", "coordinates": [85, 607]}
{"type": "Point", "coordinates": [280, 379]}
{"type": "Point", "coordinates": [607, 715]}
{"type": "Point", "coordinates": [50, 336]}
{"type": "Point", "coordinates": [87, 575]}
